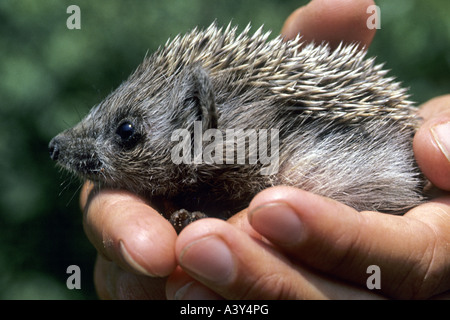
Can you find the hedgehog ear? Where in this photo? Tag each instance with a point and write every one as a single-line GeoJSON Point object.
{"type": "Point", "coordinates": [200, 94]}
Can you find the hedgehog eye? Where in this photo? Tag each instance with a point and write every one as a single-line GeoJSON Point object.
{"type": "Point", "coordinates": [128, 134]}
{"type": "Point", "coordinates": [125, 130]}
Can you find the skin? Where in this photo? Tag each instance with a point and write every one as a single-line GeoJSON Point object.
{"type": "Point", "coordinates": [289, 243]}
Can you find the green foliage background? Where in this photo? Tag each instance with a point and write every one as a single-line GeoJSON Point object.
{"type": "Point", "coordinates": [50, 76]}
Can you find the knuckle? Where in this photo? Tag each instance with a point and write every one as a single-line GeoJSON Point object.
{"type": "Point", "coordinates": [273, 286]}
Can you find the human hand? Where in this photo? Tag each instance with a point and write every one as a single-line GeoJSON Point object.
{"type": "Point", "coordinates": [135, 244]}
{"type": "Point", "coordinates": [318, 247]}
{"type": "Point", "coordinates": [333, 22]}
{"type": "Point", "coordinates": [116, 220]}
{"type": "Point", "coordinates": [305, 246]}
{"type": "Point", "coordinates": [310, 247]}
{"type": "Point", "coordinates": [132, 239]}
{"type": "Point", "coordinates": [431, 142]}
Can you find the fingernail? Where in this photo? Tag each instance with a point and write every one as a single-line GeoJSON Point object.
{"type": "Point", "coordinates": [195, 291]}
{"type": "Point", "coordinates": [131, 262]}
{"type": "Point", "coordinates": [278, 222]}
{"type": "Point", "coordinates": [441, 134]}
{"type": "Point", "coordinates": [209, 258]}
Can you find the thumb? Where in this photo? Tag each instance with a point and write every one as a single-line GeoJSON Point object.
{"type": "Point", "coordinates": [332, 21]}
{"type": "Point", "coordinates": [233, 265]}
{"type": "Point", "coordinates": [432, 142]}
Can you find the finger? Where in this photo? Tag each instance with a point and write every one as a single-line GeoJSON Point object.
{"type": "Point", "coordinates": [331, 21]}
{"type": "Point", "coordinates": [240, 221]}
{"type": "Point", "coordinates": [129, 232]}
{"type": "Point", "coordinates": [181, 286]}
{"type": "Point", "coordinates": [411, 251]}
{"type": "Point", "coordinates": [432, 142]}
{"type": "Point", "coordinates": [435, 107]}
{"type": "Point", "coordinates": [114, 283]}
{"type": "Point", "coordinates": [236, 266]}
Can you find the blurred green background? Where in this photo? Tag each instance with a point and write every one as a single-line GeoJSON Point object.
{"type": "Point", "coordinates": [50, 76]}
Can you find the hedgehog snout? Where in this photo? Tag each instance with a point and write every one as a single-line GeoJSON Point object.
{"type": "Point", "coordinates": [54, 148]}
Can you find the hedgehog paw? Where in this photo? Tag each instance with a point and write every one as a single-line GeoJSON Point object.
{"type": "Point", "coordinates": [181, 218]}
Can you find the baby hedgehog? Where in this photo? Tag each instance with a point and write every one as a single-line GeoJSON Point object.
{"type": "Point", "coordinates": [213, 117]}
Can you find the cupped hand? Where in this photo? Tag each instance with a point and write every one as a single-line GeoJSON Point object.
{"type": "Point", "coordinates": [300, 245]}
{"type": "Point", "coordinates": [132, 239]}
{"type": "Point", "coordinates": [135, 244]}
{"type": "Point", "coordinates": [326, 247]}
{"type": "Point", "coordinates": [310, 247]}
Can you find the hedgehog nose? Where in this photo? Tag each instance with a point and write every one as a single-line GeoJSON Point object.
{"type": "Point", "coordinates": [53, 149]}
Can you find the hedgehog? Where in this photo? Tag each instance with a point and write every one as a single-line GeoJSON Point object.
{"type": "Point", "coordinates": [215, 116]}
